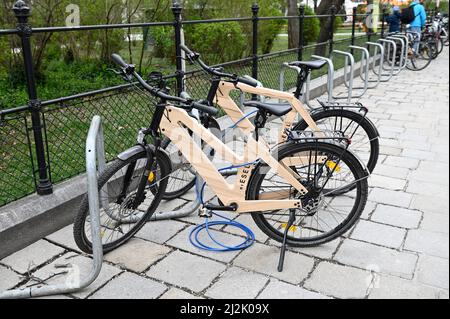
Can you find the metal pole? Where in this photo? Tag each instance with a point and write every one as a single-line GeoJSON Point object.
{"type": "Point", "coordinates": [255, 11]}
{"type": "Point", "coordinates": [383, 22]}
{"type": "Point", "coordinates": [301, 34]}
{"type": "Point", "coordinates": [331, 30]}
{"type": "Point", "coordinates": [178, 24]}
{"type": "Point", "coordinates": [22, 12]}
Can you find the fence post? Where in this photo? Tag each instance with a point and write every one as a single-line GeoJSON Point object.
{"type": "Point", "coordinates": [177, 9]}
{"type": "Point", "coordinates": [354, 17]}
{"type": "Point", "coordinates": [331, 30]}
{"type": "Point", "coordinates": [255, 11]}
{"type": "Point", "coordinates": [301, 34]}
{"type": "Point", "coordinates": [370, 28]}
{"type": "Point", "coordinates": [22, 12]}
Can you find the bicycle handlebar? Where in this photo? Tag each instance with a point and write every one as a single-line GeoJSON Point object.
{"type": "Point", "coordinates": [129, 70]}
{"type": "Point", "coordinates": [195, 57]}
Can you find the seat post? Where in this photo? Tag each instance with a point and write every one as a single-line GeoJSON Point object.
{"type": "Point", "coordinates": [301, 79]}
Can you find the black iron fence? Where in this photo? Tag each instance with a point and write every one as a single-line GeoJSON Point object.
{"type": "Point", "coordinates": [42, 143]}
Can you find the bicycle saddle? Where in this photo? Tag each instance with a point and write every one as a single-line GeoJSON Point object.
{"type": "Point", "coordinates": [277, 109]}
{"type": "Point", "coordinates": [310, 65]}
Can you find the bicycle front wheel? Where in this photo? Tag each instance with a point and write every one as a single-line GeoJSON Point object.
{"type": "Point", "coordinates": [122, 214]}
{"type": "Point", "coordinates": [323, 217]}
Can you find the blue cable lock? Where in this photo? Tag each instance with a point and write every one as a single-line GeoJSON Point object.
{"type": "Point", "coordinates": [195, 233]}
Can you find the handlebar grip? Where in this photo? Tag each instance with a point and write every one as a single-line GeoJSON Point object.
{"type": "Point", "coordinates": [186, 49]}
{"type": "Point", "coordinates": [251, 82]}
{"type": "Point", "coordinates": [205, 108]}
{"type": "Point", "coordinates": [119, 61]}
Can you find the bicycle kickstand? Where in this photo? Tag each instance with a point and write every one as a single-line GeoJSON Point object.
{"type": "Point", "coordinates": [283, 247]}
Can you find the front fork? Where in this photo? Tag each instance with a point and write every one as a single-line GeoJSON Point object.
{"type": "Point", "coordinates": [145, 177]}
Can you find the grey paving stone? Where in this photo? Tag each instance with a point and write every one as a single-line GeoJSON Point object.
{"type": "Point", "coordinates": [32, 256]}
{"type": "Point", "coordinates": [182, 242]}
{"type": "Point", "coordinates": [402, 162]}
{"type": "Point", "coordinates": [137, 255]}
{"type": "Point", "coordinates": [389, 287]}
{"type": "Point", "coordinates": [130, 286]}
{"type": "Point", "coordinates": [379, 234]}
{"type": "Point", "coordinates": [368, 211]}
{"type": "Point", "coordinates": [426, 242]}
{"type": "Point", "coordinates": [433, 204]}
{"type": "Point", "coordinates": [187, 271]}
{"type": "Point", "coordinates": [392, 171]}
{"type": "Point", "coordinates": [237, 283]}
{"type": "Point", "coordinates": [385, 182]}
{"type": "Point", "coordinates": [324, 251]}
{"type": "Point", "coordinates": [426, 176]}
{"type": "Point", "coordinates": [175, 293]}
{"type": "Point", "coordinates": [427, 189]}
{"type": "Point", "coordinates": [64, 238]}
{"type": "Point", "coordinates": [435, 222]}
{"type": "Point", "coordinates": [385, 260]}
{"type": "Point", "coordinates": [247, 220]}
{"type": "Point", "coordinates": [79, 267]}
{"type": "Point", "coordinates": [160, 231]}
{"type": "Point", "coordinates": [389, 197]}
{"type": "Point", "coordinates": [264, 259]}
{"type": "Point", "coordinates": [281, 290]}
{"type": "Point", "coordinates": [422, 155]}
{"type": "Point", "coordinates": [339, 281]}
{"type": "Point", "coordinates": [395, 216]}
{"type": "Point", "coordinates": [433, 271]}
{"type": "Point", "coordinates": [8, 279]}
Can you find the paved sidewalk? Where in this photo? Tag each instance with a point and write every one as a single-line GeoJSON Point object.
{"type": "Point", "coordinates": [400, 248]}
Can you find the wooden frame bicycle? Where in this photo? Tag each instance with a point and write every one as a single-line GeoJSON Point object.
{"type": "Point", "coordinates": [177, 122]}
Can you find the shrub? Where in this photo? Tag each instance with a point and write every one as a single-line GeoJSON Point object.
{"type": "Point", "coordinates": [163, 43]}
{"type": "Point", "coordinates": [312, 26]}
{"type": "Point", "coordinates": [217, 42]}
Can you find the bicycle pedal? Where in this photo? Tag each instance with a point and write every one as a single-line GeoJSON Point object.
{"type": "Point", "coordinates": [205, 213]}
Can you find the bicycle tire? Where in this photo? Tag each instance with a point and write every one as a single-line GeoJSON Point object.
{"type": "Point", "coordinates": [361, 198]}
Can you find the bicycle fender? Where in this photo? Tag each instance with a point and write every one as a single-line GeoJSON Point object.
{"type": "Point", "coordinates": [129, 153]}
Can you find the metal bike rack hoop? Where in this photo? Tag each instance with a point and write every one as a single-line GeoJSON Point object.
{"type": "Point", "coordinates": [400, 43]}
{"type": "Point", "coordinates": [330, 77]}
{"type": "Point", "coordinates": [363, 72]}
{"type": "Point", "coordinates": [390, 60]}
{"type": "Point", "coordinates": [349, 62]}
{"type": "Point", "coordinates": [94, 151]}
{"type": "Point", "coordinates": [377, 47]}
{"type": "Point", "coordinates": [406, 45]}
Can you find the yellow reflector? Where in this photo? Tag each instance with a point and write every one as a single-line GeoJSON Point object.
{"type": "Point", "coordinates": [151, 177]}
{"type": "Point", "coordinates": [292, 229]}
{"type": "Point", "coordinates": [334, 166]}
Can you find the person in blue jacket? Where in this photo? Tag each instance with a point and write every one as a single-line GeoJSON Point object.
{"type": "Point", "coordinates": [394, 20]}
{"type": "Point", "coordinates": [419, 22]}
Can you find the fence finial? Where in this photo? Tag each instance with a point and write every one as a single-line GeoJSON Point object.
{"type": "Point", "coordinates": [21, 9]}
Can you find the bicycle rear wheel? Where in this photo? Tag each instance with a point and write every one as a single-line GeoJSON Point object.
{"type": "Point", "coordinates": [323, 217]}
{"type": "Point", "coordinates": [364, 135]}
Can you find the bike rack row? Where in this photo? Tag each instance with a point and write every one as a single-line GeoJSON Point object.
{"type": "Point", "coordinates": [389, 58]}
